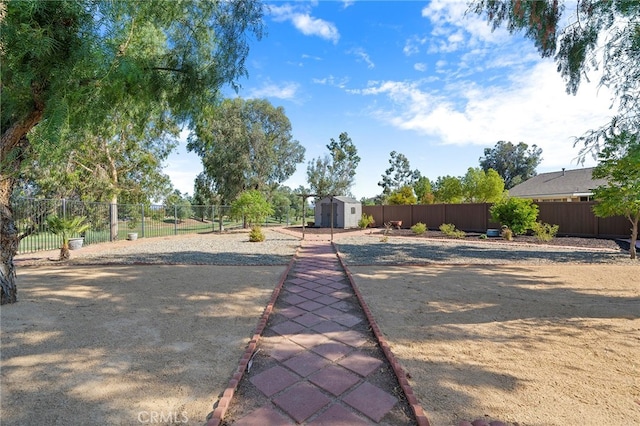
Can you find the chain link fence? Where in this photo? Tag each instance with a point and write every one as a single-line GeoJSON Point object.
{"type": "Point", "coordinates": [127, 221]}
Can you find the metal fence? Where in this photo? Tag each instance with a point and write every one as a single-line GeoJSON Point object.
{"type": "Point", "coordinates": [143, 221]}
{"type": "Point", "coordinates": [574, 219]}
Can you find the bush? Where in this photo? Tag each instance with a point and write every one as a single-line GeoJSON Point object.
{"type": "Point", "coordinates": [517, 214]}
{"type": "Point", "coordinates": [419, 228]}
{"type": "Point", "coordinates": [449, 229]}
{"type": "Point", "coordinates": [544, 231]}
{"type": "Point", "coordinates": [365, 221]}
{"type": "Point", "coordinates": [507, 233]}
{"type": "Point", "coordinates": [256, 235]}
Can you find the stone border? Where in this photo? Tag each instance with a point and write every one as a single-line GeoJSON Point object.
{"type": "Point", "coordinates": [215, 418]}
{"type": "Point", "coordinates": [418, 412]}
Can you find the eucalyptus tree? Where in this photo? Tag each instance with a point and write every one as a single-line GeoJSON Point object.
{"type": "Point", "coordinates": [399, 174]}
{"type": "Point", "coordinates": [245, 144]}
{"type": "Point", "coordinates": [67, 66]}
{"type": "Point", "coordinates": [334, 174]}
{"type": "Point", "coordinates": [584, 37]}
{"type": "Point", "coordinates": [514, 163]}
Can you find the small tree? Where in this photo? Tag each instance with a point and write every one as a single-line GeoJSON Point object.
{"type": "Point", "coordinates": [620, 165]}
{"type": "Point", "coordinates": [252, 207]}
{"type": "Point", "coordinates": [67, 228]}
{"type": "Point", "coordinates": [402, 196]}
{"type": "Point", "coordinates": [518, 214]}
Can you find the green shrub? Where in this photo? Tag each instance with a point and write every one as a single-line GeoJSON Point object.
{"type": "Point", "coordinates": [449, 229]}
{"type": "Point", "coordinates": [419, 228]}
{"type": "Point", "coordinates": [483, 236]}
{"type": "Point", "coordinates": [517, 214]}
{"type": "Point", "coordinates": [544, 231]}
{"type": "Point", "coordinates": [365, 221]}
{"type": "Point", "coordinates": [256, 235]}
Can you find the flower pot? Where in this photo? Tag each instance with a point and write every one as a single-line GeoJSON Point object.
{"type": "Point", "coordinates": [493, 232]}
{"type": "Point", "coordinates": [131, 236]}
{"type": "Point", "coordinates": [75, 243]}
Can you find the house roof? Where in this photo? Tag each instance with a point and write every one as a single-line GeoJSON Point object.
{"type": "Point", "coordinates": [578, 182]}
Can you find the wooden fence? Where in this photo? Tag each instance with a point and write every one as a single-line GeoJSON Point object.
{"type": "Point", "coordinates": [574, 219]}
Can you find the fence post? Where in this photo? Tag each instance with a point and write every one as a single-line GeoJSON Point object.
{"type": "Point", "coordinates": [142, 212]}
{"type": "Point", "coordinates": [64, 208]}
{"type": "Point", "coordinates": [175, 219]}
{"type": "Point", "coordinates": [213, 218]}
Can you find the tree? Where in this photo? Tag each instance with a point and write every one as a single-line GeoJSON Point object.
{"type": "Point", "coordinates": [67, 66]}
{"type": "Point", "coordinates": [399, 174]}
{"type": "Point", "coordinates": [517, 214]}
{"type": "Point", "coordinates": [252, 207]}
{"type": "Point", "coordinates": [178, 206]}
{"type": "Point", "coordinates": [402, 196]}
{"type": "Point", "coordinates": [479, 186]}
{"type": "Point", "coordinates": [514, 163]}
{"type": "Point", "coordinates": [619, 163]}
{"type": "Point", "coordinates": [598, 35]}
{"type": "Point", "coordinates": [424, 190]}
{"type": "Point", "coordinates": [334, 174]}
{"type": "Point", "coordinates": [246, 144]}
{"type": "Point", "coordinates": [448, 189]}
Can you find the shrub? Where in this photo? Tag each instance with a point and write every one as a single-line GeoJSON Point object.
{"type": "Point", "coordinates": [256, 235]}
{"type": "Point", "coordinates": [419, 228]}
{"type": "Point", "coordinates": [449, 229]}
{"type": "Point", "coordinates": [507, 233]}
{"type": "Point", "coordinates": [544, 231]}
{"type": "Point", "coordinates": [483, 236]}
{"type": "Point", "coordinates": [365, 221]}
{"type": "Point", "coordinates": [517, 214]}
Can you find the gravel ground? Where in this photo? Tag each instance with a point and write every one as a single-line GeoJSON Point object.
{"type": "Point", "coordinates": [231, 248]}
{"type": "Point", "coordinates": [357, 247]}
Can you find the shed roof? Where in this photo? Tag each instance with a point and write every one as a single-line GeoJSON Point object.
{"type": "Point", "coordinates": [563, 183]}
{"type": "Point", "coordinates": [346, 200]}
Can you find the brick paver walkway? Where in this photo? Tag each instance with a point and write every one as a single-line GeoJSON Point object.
{"type": "Point", "coordinates": [317, 361]}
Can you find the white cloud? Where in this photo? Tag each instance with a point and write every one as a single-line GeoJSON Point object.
{"type": "Point", "coordinates": [300, 17]}
{"type": "Point", "coordinates": [420, 66]}
{"type": "Point", "coordinates": [364, 56]}
{"type": "Point", "coordinates": [286, 90]}
{"type": "Point", "coordinates": [412, 45]}
{"type": "Point", "coordinates": [532, 108]}
{"type": "Point", "coordinates": [332, 81]}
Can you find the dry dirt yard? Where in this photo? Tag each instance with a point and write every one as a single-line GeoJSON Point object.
{"type": "Point", "coordinates": [131, 344]}
{"type": "Point", "coordinates": [96, 342]}
{"type": "Point", "coordinates": [525, 344]}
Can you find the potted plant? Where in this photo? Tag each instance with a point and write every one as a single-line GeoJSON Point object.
{"type": "Point", "coordinates": [67, 228]}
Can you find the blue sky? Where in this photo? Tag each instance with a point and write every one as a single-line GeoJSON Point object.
{"type": "Point", "coordinates": [421, 78]}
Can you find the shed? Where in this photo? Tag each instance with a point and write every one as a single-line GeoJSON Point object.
{"type": "Point", "coordinates": [347, 212]}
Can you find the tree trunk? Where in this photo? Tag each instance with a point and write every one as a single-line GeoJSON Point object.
{"type": "Point", "coordinates": [13, 145]}
{"type": "Point", "coordinates": [113, 219]}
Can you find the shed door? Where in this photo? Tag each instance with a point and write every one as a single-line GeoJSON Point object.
{"type": "Point", "coordinates": [326, 215]}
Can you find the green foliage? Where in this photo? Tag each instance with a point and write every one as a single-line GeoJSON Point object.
{"type": "Point", "coordinates": [448, 189]}
{"type": "Point", "coordinates": [419, 228]}
{"type": "Point", "coordinates": [334, 174]}
{"type": "Point", "coordinates": [479, 186]}
{"type": "Point", "coordinates": [67, 227]}
{"type": "Point", "coordinates": [365, 221]}
{"type": "Point", "coordinates": [449, 229]}
{"type": "Point", "coordinates": [424, 191]}
{"type": "Point", "coordinates": [252, 206]}
{"type": "Point", "coordinates": [619, 163]}
{"type": "Point", "coordinates": [178, 205]}
{"type": "Point", "coordinates": [514, 163]}
{"type": "Point", "coordinates": [402, 196]}
{"type": "Point", "coordinates": [399, 174]}
{"type": "Point", "coordinates": [483, 236]}
{"type": "Point", "coordinates": [518, 214]}
{"type": "Point", "coordinates": [256, 235]}
{"type": "Point", "coordinates": [544, 231]}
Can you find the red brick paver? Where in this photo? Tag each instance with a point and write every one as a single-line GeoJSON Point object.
{"type": "Point", "coordinates": [318, 363]}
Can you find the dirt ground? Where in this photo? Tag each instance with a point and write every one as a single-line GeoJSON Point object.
{"type": "Point", "coordinates": [535, 345]}
{"type": "Point", "coordinates": [528, 345]}
{"type": "Point", "coordinates": [125, 345]}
